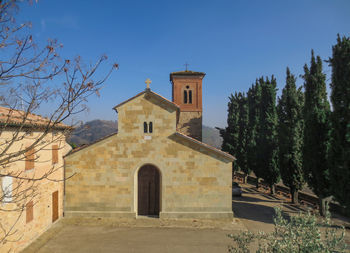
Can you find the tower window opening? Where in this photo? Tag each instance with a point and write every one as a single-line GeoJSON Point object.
{"type": "Point", "coordinates": [185, 96]}
{"type": "Point", "coordinates": [150, 127]}
{"type": "Point", "coordinates": [190, 97]}
{"type": "Point", "coordinates": [145, 127]}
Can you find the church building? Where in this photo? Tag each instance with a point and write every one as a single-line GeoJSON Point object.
{"type": "Point", "coordinates": [156, 165]}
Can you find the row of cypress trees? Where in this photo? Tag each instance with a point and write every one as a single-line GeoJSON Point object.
{"type": "Point", "coordinates": [298, 137]}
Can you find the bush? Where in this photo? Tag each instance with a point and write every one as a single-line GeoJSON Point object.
{"type": "Point", "coordinates": [301, 233]}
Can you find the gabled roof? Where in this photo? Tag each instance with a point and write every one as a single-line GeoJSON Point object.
{"type": "Point", "coordinates": [16, 118]}
{"type": "Point", "coordinates": [202, 144]}
{"type": "Point", "coordinates": [90, 144]}
{"type": "Point", "coordinates": [149, 92]}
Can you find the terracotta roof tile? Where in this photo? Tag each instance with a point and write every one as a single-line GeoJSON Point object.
{"type": "Point", "coordinates": [15, 118]}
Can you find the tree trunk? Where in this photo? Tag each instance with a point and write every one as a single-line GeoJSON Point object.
{"type": "Point", "coordinates": [273, 189]}
{"type": "Point", "coordinates": [245, 177]}
{"type": "Point", "coordinates": [294, 192]}
{"type": "Point", "coordinates": [322, 205]}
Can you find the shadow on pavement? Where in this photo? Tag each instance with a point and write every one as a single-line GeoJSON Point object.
{"type": "Point", "coordinates": [255, 212]}
{"type": "Point", "coordinates": [251, 199]}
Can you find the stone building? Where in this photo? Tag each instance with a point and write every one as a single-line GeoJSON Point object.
{"type": "Point", "coordinates": [156, 164]}
{"type": "Point", "coordinates": [29, 207]}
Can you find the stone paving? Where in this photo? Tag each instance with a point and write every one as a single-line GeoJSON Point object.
{"type": "Point", "coordinates": [140, 235]}
{"type": "Point", "coordinates": [253, 211]}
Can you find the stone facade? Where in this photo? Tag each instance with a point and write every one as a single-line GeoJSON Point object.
{"type": "Point", "coordinates": [22, 229]}
{"type": "Point", "coordinates": [195, 179]}
{"type": "Point", "coordinates": [190, 123]}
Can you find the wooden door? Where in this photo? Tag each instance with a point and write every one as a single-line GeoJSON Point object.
{"type": "Point", "coordinates": [54, 206]}
{"type": "Point", "coordinates": [148, 191]}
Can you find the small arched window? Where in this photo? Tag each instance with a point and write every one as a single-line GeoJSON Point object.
{"type": "Point", "coordinates": [187, 95]}
{"type": "Point", "coordinates": [150, 127]}
{"type": "Point", "coordinates": [145, 127]}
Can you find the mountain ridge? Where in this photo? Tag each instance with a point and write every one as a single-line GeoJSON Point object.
{"type": "Point", "coordinates": [94, 130]}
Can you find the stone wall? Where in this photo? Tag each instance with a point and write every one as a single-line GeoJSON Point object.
{"type": "Point", "coordinates": [190, 124]}
{"type": "Point", "coordinates": [195, 181]}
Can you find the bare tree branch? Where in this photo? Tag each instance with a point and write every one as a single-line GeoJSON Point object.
{"type": "Point", "coordinates": [31, 78]}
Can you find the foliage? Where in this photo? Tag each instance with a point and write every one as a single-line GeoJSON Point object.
{"type": "Point", "coordinates": [231, 132]}
{"type": "Point", "coordinates": [254, 98]}
{"type": "Point", "coordinates": [301, 233]}
{"type": "Point", "coordinates": [235, 134]}
{"type": "Point", "coordinates": [316, 129]}
{"type": "Point", "coordinates": [73, 145]}
{"type": "Point", "coordinates": [340, 97]}
{"type": "Point", "coordinates": [241, 152]}
{"type": "Point", "coordinates": [266, 141]}
{"type": "Point", "coordinates": [290, 135]}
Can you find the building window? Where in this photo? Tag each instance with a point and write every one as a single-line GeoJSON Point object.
{"type": "Point", "coordinates": [55, 214]}
{"type": "Point", "coordinates": [29, 159]}
{"type": "Point", "coordinates": [29, 211]}
{"type": "Point", "coordinates": [145, 127]}
{"type": "Point", "coordinates": [150, 127]}
{"type": "Point", "coordinates": [187, 95]}
{"type": "Point", "coordinates": [54, 154]}
{"type": "Point", "coordinates": [6, 187]}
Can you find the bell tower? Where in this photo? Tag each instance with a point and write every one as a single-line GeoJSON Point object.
{"type": "Point", "coordinates": [187, 94]}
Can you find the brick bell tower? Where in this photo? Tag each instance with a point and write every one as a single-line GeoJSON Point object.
{"type": "Point", "coordinates": [187, 94]}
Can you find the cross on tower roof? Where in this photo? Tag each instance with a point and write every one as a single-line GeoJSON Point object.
{"type": "Point", "coordinates": [148, 81]}
{"type": "Point", "coordinates": [186, 65]}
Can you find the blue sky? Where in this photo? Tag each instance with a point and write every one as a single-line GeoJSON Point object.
{"type": "Point", "coordinates": [233, 42]}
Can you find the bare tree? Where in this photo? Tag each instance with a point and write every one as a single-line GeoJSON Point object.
{"type": "Point", "coordinates": [33, 77]}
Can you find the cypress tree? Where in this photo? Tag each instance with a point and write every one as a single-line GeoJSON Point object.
{"type": "Point", "coordinates": [267, 142]}
{"type": "Point", "coordinates": [290, 136]}
{"type": "Point", "coordinates": [316, 131]}
{"type": "Point", "coordinates": [231, 132]}
{"type": "Point", "coordinates": [340, 97]}
{"type": "Point", "coordinates": [241, 152]}
{"type": "Point", "coordinates": [253, 99]}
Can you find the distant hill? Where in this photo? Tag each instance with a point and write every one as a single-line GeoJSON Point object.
{"type": "Point", "coordinates": [96, 129]}
{"type": "Point", "coordinates": [211, 136]}
{"type": "Point", "coordinates": [92, 131]}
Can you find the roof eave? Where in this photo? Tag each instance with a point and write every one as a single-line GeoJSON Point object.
{"type": "Point", "coordinates": [73, 151]}
{"type": "Point", "coordinates": [222, 153]}
{"type": "Point", "coordinates": [34, 126]}
{"type": "Point", "coordinates": [186, 74]}
{"type": "Point", "coordinates": [149, 91]}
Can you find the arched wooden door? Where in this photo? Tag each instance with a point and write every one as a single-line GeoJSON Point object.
{"type": "Point", "coordinates": [148, 190]}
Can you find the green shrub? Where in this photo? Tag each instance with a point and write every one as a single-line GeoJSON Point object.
{"type": "Point", "coordinates": [300, 233]}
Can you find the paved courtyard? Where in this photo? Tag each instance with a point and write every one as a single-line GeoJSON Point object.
{"type": "Point", "coordinates": [104, 239]}
{"type": "Point", "coordinates": [254, 211]}
{"type": "Point", "coordinates": [65, 237]}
